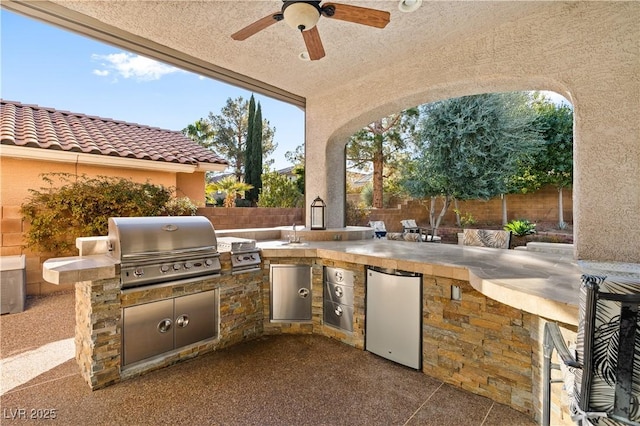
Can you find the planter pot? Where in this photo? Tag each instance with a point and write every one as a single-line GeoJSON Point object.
{"type": "Point", "coordinates": [517, 241]}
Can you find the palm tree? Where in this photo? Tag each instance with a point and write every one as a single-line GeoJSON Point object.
{"type": "Point", "coordinates": [201, 132]}
{"type": "Point", "coordinates": [231, 187]}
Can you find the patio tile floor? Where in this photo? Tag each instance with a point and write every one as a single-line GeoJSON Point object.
{"type": "Point", "coordinates": [274, 380]}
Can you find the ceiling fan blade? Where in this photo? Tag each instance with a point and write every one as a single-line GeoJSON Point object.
{"type": "Point", "coordinates": [257, 26]}
{"type": "Point", "coordinates": [359, 15]}
{"type": "Point", "coordinates": [313, 43]}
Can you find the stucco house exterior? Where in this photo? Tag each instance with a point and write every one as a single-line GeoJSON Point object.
{"type": "Point", "coordinates": [37, 140]}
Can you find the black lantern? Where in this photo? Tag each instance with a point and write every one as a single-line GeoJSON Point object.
{"type": "Point", "coordinates": [317, 214]}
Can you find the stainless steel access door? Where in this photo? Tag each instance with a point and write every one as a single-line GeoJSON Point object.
{"type": "Point", "coordinates": [195, 317]}
{"type": "Point", "coordinates": [290, 293]}
{"type": "Point", "coordinates": [147, 330]}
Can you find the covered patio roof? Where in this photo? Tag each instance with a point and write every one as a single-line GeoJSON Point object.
{"type": "Point", "coordinates": [588, 52]}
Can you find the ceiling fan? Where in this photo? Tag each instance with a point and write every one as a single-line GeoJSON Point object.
{"type": "Point", "coordinates": [303, 16]}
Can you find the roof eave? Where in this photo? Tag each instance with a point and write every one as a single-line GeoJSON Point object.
{"type": "Point", "coordinates": [29, 153]}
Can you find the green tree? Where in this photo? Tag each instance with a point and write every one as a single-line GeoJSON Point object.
{"type": "Point", "coordinates": [279, 191]}
{"type": "Point", "coordinates": [469, 148]}
{"type": "Point", "coordinates": [296, 157]}
{"type": "Point", "coordinates": [553, 165]}
{"type": "Point", "coordinates": [253, 175]}
{"type": "Point", "coordinates": [231, 128]}
{"type": "Point", "coordinates": [231, 187]}
{"type": "Point", "coordinates": [378, 144]}
{"type": "Point", "coordinates": [201, 132]}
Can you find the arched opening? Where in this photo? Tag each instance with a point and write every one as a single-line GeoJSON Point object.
{"type": "Point", "coordinates": [530, 163]}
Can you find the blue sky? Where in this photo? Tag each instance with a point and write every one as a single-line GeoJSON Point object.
{"type": "Point", "coordinates": [44, 65]}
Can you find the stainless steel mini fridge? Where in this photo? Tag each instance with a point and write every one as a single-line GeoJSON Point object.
{"type": "Point", "coordinates": [393, 316]}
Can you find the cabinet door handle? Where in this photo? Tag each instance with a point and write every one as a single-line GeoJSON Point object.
{"type": "Point", "coordinates": [182, 320]}
{"type": "Point", "coordinates": [338, 311]}
{"type": "Point", "coordinates": [339, 292]}
{"type": "Point", "coordinates": [303, 292]}
{"type": "Point", "coordinates": [164, 325]}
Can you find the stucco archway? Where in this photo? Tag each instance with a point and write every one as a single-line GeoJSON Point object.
{"type": "Point", "coordinates": [594, 63]}
{"type": "Point", "coordinates": [337, 141]}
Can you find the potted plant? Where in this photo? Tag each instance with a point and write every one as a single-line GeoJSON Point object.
{"type": "Point", "coordinates": [520, 229]}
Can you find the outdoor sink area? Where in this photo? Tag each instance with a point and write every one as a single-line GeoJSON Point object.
{"type": "Point", "coordinates": [294, 244]}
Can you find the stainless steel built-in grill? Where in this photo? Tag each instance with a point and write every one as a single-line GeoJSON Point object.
{"type": "Point", "coordinates": [245, 256]}
{"type": "Point", "coordinates": [161, 249]}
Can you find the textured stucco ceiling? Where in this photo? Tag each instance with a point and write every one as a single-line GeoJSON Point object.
{"type": "Point", "coordinates": [202, 29]}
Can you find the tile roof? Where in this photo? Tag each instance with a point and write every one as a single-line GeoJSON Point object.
{"type": "Point", "coordinates": [47, 128]}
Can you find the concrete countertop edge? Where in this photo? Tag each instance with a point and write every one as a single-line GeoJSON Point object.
{"type": "Point", "coordinates": [69, 270]}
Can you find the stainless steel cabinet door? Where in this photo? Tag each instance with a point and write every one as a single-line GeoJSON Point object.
{"type": "Point", "coordinates": [195, 318]}
{"type": "Point", "coordinates": [291, 293]}
{"type": "Point", "coordinates": [147, 330]}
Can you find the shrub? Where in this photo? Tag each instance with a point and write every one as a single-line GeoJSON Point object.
{"type": "Point", "coordinates": [279, 191]}
{"type": "Point", "coordinates": [520, 227]}
{"type": "Point", "coordinates": [179, 207]}
{"type": "Point", "coordinates": [81, 206]}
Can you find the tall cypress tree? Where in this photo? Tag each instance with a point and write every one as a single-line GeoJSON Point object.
{"type": "Point", "coordinates": [256, 156]}
{"type": "Point", "coordinates": [250, 149]}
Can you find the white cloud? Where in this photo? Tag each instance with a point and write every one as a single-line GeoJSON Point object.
{"type": "Point", "coordinates": [128, 65]}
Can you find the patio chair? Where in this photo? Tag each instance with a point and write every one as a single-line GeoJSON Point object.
{"type": "Point", "coordinates": [409, 226]}
{"type": "Point", "coordinates": [602, 375]}
{"type": "Point", "coordinates": [379, 229]}
{"type": "Point", "coordinates": [486, 238]}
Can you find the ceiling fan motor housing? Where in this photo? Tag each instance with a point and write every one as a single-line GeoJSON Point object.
{"type": "Point", "coordinates": [301, 15]}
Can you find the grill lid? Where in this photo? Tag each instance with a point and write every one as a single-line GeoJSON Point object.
{"type": "Point", "coordinates": [138, 237]}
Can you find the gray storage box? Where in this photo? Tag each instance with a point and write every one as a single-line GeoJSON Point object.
{"type": "Point", "coordinates": [13, 279]}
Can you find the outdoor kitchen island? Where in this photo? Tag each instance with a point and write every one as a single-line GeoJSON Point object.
{"type": "Point", "coordinates": [487, 342]}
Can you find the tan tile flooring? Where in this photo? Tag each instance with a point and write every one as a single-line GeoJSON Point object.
{"type": "Point", "coordinates": [276, 380]}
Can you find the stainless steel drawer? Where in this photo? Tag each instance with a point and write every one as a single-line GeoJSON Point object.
{"type": "Point", "coordinates": [338, 315]}
{"type": "Point", "coordinates": [338, 293]}
{"type": "Point", "coordinates": [339, 276]}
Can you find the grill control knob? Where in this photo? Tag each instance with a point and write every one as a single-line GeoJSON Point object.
{"type": "Point", "coordinates": [138, 272]}
{"type": "Point", "coordinates": [188, 265]}
{"type": "Point", "coordinates": [208, 262]}
{"type": "Point", "coordinates": [176, 266]}
{"type": "Point", "coordinates": [164, 268]}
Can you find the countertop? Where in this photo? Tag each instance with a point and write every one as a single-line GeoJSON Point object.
{"type": "Point", "coordinates": [544, 284]}
{"type": "Point", "coordinates": [539, 283]}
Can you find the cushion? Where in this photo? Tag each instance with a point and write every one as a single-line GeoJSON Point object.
{"type": "Point", "coordinates": [377, 225]}
{"type": "Point", "coordinates": [409, 223]}
{"type": "Point", "coordinates": [607, 328]}
{"type": "Point", "coordinates": [486, 238]}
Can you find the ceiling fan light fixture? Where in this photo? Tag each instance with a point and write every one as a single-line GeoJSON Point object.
{"type": "Point", "coordinates": [300, 15]}
{"type": "Point", "coordinates": [408, 6]}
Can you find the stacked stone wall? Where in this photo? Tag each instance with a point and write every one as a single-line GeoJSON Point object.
{"type": "Point", "coordinates": [477, 344]}
{"type": "Point", "coordinates": [99, 307]}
